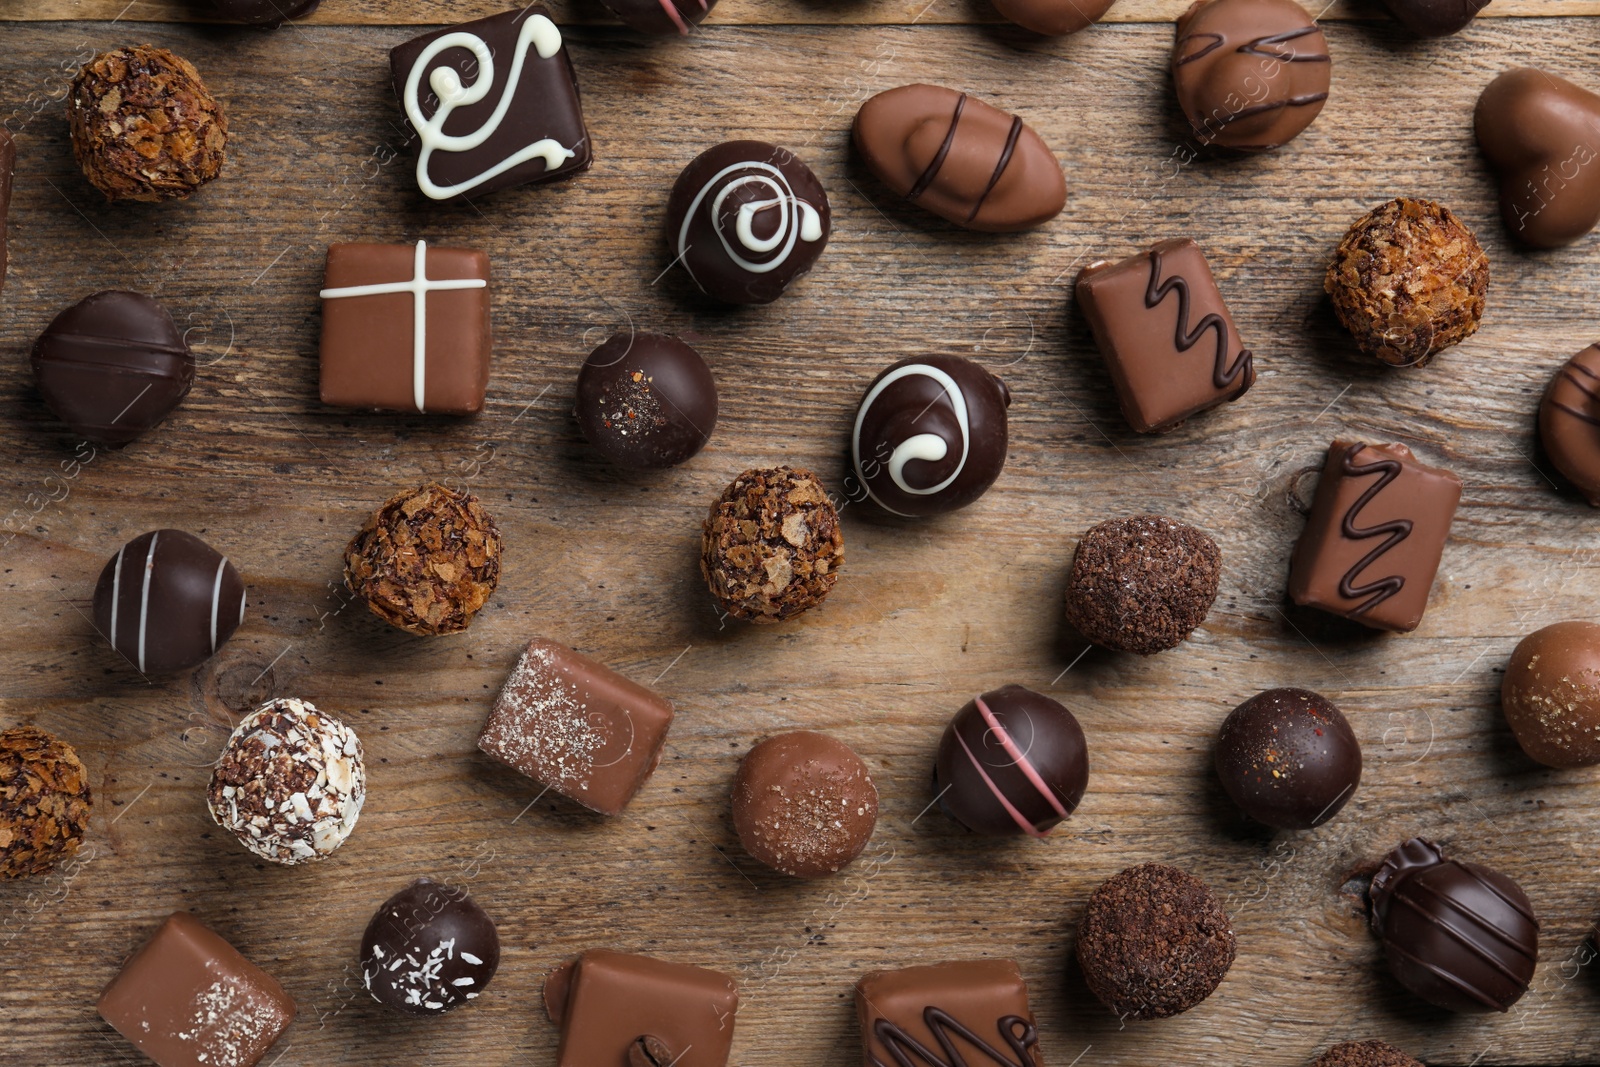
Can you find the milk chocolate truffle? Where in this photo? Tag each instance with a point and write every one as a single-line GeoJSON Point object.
{"type": "Point", "coordinates": [262, 12]}
{"type": "Point", "coordinates": [167, 601]}
{"type": "Point", "coordinates": [143, 125]}
{"type": "Point", "coordinates": [1459, 935]}
{"type": "Point", "coordinates": [1551, 694]}
{"type": "Point", "coordinates": [1154, 942]}
{"type": "Point", "coordinates": [646, 400]}
{"type": "Point", "coordinates": [1541, 136]}
{"type": "Point", "coordinates": [1364, 1054]}
{"type": "Point", "coordinates": [1250, 74]}
{"type": "Point", "coordinates": [1435, 18]}
{"type": "Point", "coordinates": [661, 17]}
{"type": "Point", "coordinates": [930, 435]}
{"type": "Point", "coordinates": [771, 547]}
{"type": "Point", "coordinates": [1408, 281]}
{"type": "Point", "coordinates": [8, 161]}
{"type": "Point", "coordinates": [44, 801]}
{"type": "Point", "coordinates": [1288, 758]}
{"type": "Point", "coordinates": [1142, 584]}
{"type": "Point", "coordinates": [1053, 18]}
{"type": "Point", "coordinates": [113, 366]}
{"type": "Point", "coordinates": [1012, 761]}
{"type": "Point", "coordinates": [426, 561]}
{"type": "Point", "coordinates": [1569, 422]}
{"type": "Point", "coordinates": [746, 219]}
{"type": "Point", "coordinates": [804, 804]}
{"type": "Point", "coordinates": [428, 949]}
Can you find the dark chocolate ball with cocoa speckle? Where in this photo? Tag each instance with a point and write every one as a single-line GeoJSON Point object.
{"type": "Point", "coordinates": [1288, 758]}
{"type": "Point", "coordinates": [771, 547]}
{"type": "Point", "coordinates": [428, 949]}
{"type": "Point", "coordinates": [646, 400]}
{"type": "Point", "coordinates": [1142, 584]}
{"type": "Point", "coordinates": [804, 804]}
{"type": "Point", "coordinates": [1364, 1054]}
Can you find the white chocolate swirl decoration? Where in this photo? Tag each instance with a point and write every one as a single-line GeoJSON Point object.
{"type": "Point", "coordinates": [797, 220]}
{"type": "Point", "coordinates": [925, 446]}
{"type": "Point", "coordinates": [538, 33]}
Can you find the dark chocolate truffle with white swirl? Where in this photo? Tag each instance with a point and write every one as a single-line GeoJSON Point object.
{"type": "Point", "coordinates": [646, 400]}
{"type": "Point", "coordinates": [1012, 761]}
{"type": "Point", "coordinates": [746, 219]}
{"type": "Point", "coordinates": [428, 949]}
{"type": "Point", "coordinates": [262, 12]}
{"type": "Point", "coordinates": [930, 435]}
{"type": "Point", "coordinates": [1288, 758]}
{"type": "Point", "coordinates": [661, 17]}
{"type": "Point", "coordinates": [167, 601]}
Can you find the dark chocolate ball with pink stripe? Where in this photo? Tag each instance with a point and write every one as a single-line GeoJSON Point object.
{"type": "Point", "coordinates": [167, 601]}
{"type": "Point", "coordinates": [1011, 762]}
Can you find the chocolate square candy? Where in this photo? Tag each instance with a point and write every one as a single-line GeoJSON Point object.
{"type": "Point", "coordinates": [494, 103]}
{"type": "Point", "coordinates": [969, 1011]}
{"type": "Point", "coordinates": [405, 328]}
{"type": "Point", "coordinates": [610, 1004]}
{"type": "Point", "coordinates": [577, 726]}
{"type": "Point", "coordinates": [1372, 542]}
{"type": "Point", "coordinates": [1166, 335]}
{"type": "Point", "coordinates": [188, 999]}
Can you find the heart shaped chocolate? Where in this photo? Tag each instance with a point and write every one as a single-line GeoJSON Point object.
{"type": "Point", "coordinates": [1541, 136]}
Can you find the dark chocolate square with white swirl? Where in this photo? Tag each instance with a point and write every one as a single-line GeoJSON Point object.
{"type": "Point", "coordinates": [493, 103]}
{"type": "Point", "coordinates": [977, 1008]}
{"type": "Point", "coordinates": [1166, 335]}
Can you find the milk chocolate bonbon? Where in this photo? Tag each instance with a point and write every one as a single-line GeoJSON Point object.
{"type": "Point", "coordinates": [1541, 135]}
{"type": "Point", "coordinates": [1569, 422]}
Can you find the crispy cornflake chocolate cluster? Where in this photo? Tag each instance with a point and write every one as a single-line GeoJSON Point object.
{"type": "Point", "coordinates": [771, 547]}
{"type": "Point", "coordinates": [144, 127]}
{"type": "Point", "coordinates": [44, 801]}
{"type": "Point", "coordinates": [426, 561]}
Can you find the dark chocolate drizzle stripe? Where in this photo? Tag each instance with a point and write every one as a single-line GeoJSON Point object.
{"type": "Point", "coordinates": [1017, 1032]}
{"type": "Point", "coordinates": [944, 150]}
{"type": "Point", "coordinates": [1217, 41]}
{"type": "Point", "coordinates": [1592, 391]}
{"type": "Point", "coordinates": [1397, 530]}
{"type": "Point", "coordinates": [1277, 105]}
{"type": "Point", "coordinates": [1185, 338]}
{"type": "Point", "coordinates": [1469, 942]}
{"type": "Point", "coordinates": [1000, 167]}
{"type": "Point", "coordinates": [1252, 48]}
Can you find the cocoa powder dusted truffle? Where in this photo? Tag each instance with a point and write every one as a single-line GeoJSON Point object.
{"type": "Point", "coordinates": [44, 801]}
{"type": "Point", "coordinates": [1408, 281]}
{"type": "Point", "coordinates": [1364, 1054]}
{"type": "Point", "coordinates": [426, 561]}
{"type": "Point", "coordinates": [804, 804]}
{"type": "Point", "coordinates": [143, 125]}
{"type": "Point", "coordinates": [1142, 584]}
{"type": "Point", "coordinates": [771, 547]}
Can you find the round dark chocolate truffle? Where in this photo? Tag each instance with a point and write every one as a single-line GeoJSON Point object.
{"type": "Point", "coordinates": [746, 219]}
{"type": "Point", "coordinates": [144, 127]}
{"type": "Point", "coordinates": [262, 12]}
{"type": "Point", "coordinates": [167, 601]}
{"type": "Point", "coordinates": [1569, 422]}
{"type": "Point", "coordinates": [646, 400]}
{"type": "Point", "coordinates": [1435, 18]}
{"type": "Point", "coordinates": [1155, 942]}
{"type": "Point", "coordinates": [1408, 281]}
{"type": "Point", "coordinates": [1365, 1054]}
{"type": "Point", "coordinates": [428, 949]}
{"type": "Point", "coordinates": [661, 17]}
{"type": "Point", "coordinates": [930, 435]}
{"type": "Point", "coordinates": [112, 366]}
{"type": "Point", "coordinates": [426, 561]}
{"type": "Point", "coordinates": [1142, 584]}
{"type": "Point", "coordinates": [1461, 936]}
{"type": "Point", "coordinates": [1288, 758]}
{"type": "Point", "coordinates": [1250, 74]}
{"type": "Point", "coordinates": [804, 804]}
{"type": "Point", "coordinates": [1012, 761]}
{"type": "Point", "coordinates": [44, 801]}
{"type": "Point", "coordinates": [771, 547]}
{"type": "Point", "coordinates": [1551, 694]}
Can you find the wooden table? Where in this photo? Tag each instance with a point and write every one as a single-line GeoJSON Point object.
{"type": "Point", "coordinates": [925, 614]}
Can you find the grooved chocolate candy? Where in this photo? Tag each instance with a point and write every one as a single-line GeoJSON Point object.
{"type": "Point", "coordinates": [1054, 18]}
{"type": "Point", "coordinates": [167, 601]}
{"type": "Point", "coordinates": [1435, 18]}
{"type": "Point", "coordinates": [960, 158]}
{"type": "Point", "coordinates": [1569, 422]}
{"type": "Point", "coordinates": [1541, 136]}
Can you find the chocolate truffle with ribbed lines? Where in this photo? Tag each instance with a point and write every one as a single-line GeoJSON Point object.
{"type": "Point", "coordinates": [1142, 584]}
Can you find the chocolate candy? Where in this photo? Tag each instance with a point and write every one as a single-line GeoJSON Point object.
{"type": "Point", "coordinates": [1364, 1054]}
{"type": "Point", "coordinates": [1012, 761]}
{"type": "Point", "coordinates": [771, 547]}
{"type": "Point", "coordinates": [263, 12]}
{"type": "Point", "coordinates": [1541, 136]}
{"type": "Point", "coordinates": [1154, 942]}
{"type": "Point", "coordinates": [1551, 694]}
{"type": "Point", "coordinates": [1143, 584]}
{"type": "Point", "coordinates": [635, 1011]}
{"type": "Point", "coordinates": [188, 999]}
{"type": "Point", "coordinates": [428, 949]}
{"type": "Point", "coordinates": [646, 400]}
{"type": "Point", "coordinates": [1054, 18]}
{"type": "Point", "coordinates": [746, 219]}
{"type": "Point", "coordinates": [113, 366]}
{"type": "Point", "coordinates": [1461, 936]}
{"type": "Point", "coordinates": [405, 328]}
{"type": "Point", "coordinates": [1250, 74]}
{"type": "Point", "coordinates": [661, 17]}
{"type": "Point", "coordinates": [1376, 532]}
{"type": "Point", "coordinates": [804, 804]}
{"type": "Point", "coordinates": [167, 601]}
{"type": "Point", "coordinates": [1435, 18]}
{"type": "Point", "coordinates": [577, 726]}
{"type": "Point", "coordinates": [8, 162]}
{"type": "Point", "coordinates": [45, 801]}
{"type": "Point", "coordinates": [1288, 758]}
{"type": "Point", "coordinates": [1569, 422]}
{"type": "Point", "coordinates": [930, 435]}
{"type": "Point", "coordinates": [290, 782]}
{"type": "Point", "coordinates": [960, 158]}
{"type": "Point", "coordinates": [1165, 334]}
{"type": "Point", "coordinates": [958, 1013]}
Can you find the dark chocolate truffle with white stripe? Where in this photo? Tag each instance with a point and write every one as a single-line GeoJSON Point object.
{"type": "Point", "coordinates": [1011, 762]}
{"type": "Point", "coordinates": [428, 949]}
{"type": "Point", "coordinates": [167, 601]}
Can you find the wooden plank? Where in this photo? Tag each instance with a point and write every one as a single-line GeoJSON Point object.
{"type": "Point", "coordinates": [925, 615]}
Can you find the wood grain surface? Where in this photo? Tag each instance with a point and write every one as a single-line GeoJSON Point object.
{"type": "Point", "coordinates": [925, 615]}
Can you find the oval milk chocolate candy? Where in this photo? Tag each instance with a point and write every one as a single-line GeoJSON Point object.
{"type": "Point", "coordinates": [961, 159]}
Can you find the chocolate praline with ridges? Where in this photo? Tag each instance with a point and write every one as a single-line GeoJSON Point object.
{"type": "Point", "coordinates": [1288, 758]}
{"type": "Point", "coordinates": [428, 949]}
{"type": "Point", "coordinates": [646, 400]}
{"type": "Point", "coordinates": [167, 601]}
